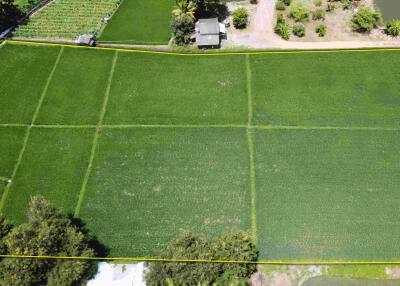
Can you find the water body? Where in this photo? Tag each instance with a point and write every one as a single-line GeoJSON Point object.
{"type": "Point", "coordinates": [390, 9]}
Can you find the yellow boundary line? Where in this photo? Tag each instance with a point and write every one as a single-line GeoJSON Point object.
{"type": "Point", "coordinates": [15, 42]}
{"type": "Point", "coordinates": [154, 259]}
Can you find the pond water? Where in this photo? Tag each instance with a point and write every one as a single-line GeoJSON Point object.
{"type": "Point", "coordinates": [390, 9]}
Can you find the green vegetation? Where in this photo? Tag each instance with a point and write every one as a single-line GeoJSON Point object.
{"type": "Point", "coordinates": [182, 28]}
{"type": "Point", "coordinates": [174, 153]}
{"type": "Point", "coordinates": [346, 4]}
{"type": "Point", "coordinates": [318, 14]}
{"type": "Point", "coordinates": [280, 6]}
{"type": "Point", "coordinates": [66, 19]}
{"type": "Point", "coordinates": [282, 28]}
{"type": "Point", "coordinates": [321, 30]}
{"type": "Point", "coordinates": [358, 271]}
{"type": "Point", "coordinates": [47, 232]}
{"type": "Point", "coordinates": [298, 12]}
{"type": "Point", "coordinates": [393, 28]}
{"type": "Point", "coordinates": [237, 245]}
{"type": "Point", "coordinates": [334, 281]}
{"type": "Point", "coordinates": [299, 30]}
{"type": "Point", "coordinates": [240, 16]}
{"type": "Point", "coordinates": [140, 22]}
{"type": "Point", "coordinates": [153, 182]}
{"type": "Point", "coordinates": [10, 13]}
{"type": "Point", "coordinates": [365, 19]}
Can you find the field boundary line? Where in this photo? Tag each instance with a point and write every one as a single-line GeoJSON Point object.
{"type": "Point", "coordinates": [13, 125]}
{"type": "Point", "coordinates": [302, 127]}
{"type": "Point", "coordinates": [2, 44]}
{"type": "Point", "coordinates": [149, 259]}
{"type": "Point", "coordinates": [96, 137]}
{"type": "Point", "coordinates": [28, 131]}
{"type": "Point", "coordinates": [174, 126]}
{"type": "Point", "coordinates": [17, 42]}
{"type": "Point", "coordinates": [4, 179]}
{"type": "Point", "coordinates": [250, 144]}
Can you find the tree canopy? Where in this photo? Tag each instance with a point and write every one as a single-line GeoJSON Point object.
{"type": "Point", "coordinates": [48, 232]}
{"type": "Point", "coordinates": [10, 14]}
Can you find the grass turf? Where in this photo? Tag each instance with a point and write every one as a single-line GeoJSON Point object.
{"type": "Point", "coordinates": [23, 75]}
{"type": "Point", "coordinates": [140, 22]}
{"type": "Point", "coordinates": [76, 92]}
{"type": "Point", "coordinates": [148, 184]}
{"type": "Point", "coordinates": [330, 89]}
{"type": "Point", "coordinates": [149, 89]}
{"type": "Point", "coordinates": [329, 195]}
{"type": "Point", "coordinates": [11, 139]}
{"type": "Point", "coordinates": [53, 165]}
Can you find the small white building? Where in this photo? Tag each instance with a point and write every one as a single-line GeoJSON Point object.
{"type": "Point", "coordinates": [209, 32]}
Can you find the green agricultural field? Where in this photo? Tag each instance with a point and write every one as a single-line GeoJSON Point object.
{"type": "Point", "coordinates": [140, 22]}
{"type": "Point", "coordinates": [143, 146]}
{"type": "Point", "coordinates": [66, 19]}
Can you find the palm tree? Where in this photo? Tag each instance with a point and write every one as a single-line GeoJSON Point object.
{"type": "Point", "coordinates": [184, 7]}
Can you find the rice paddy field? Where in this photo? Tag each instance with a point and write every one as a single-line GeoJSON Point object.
{"type": "Point", "coordinates": [301, 149]}
{"type": "Point", "coordinates": [140, 22]}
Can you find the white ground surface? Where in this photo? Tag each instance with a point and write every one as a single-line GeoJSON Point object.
{"type": "Point", "coordinates": [110, 274]}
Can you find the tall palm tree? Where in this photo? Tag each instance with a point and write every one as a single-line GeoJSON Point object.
{"type": "Point", "coordinates": [184, 7]}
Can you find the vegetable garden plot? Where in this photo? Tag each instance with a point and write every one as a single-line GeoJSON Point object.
{"type": "Point", "coordinates": [159, 89]}
{"type": "Point", "coordinates": [140, 22]}
{"type": "Point", "coordinates": [53, 165]}
{"type": "Point", "coordinates": [149, 184]}
{"type": "Point", "coordinates": [328, 195]}
{"type": "Point", "coordinates": [328, 89]}
{"type": "Point", "coordinates": [11, 139]}
{"type": "Point", "coordinates": [76, 92]}
{"type": "Point", "coordinates": [23, 75]}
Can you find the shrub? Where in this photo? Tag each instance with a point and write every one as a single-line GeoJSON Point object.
{"type": "Point", "coordinates": [365, 19]}
{"type": "Point", "coordinates": [280, 6]}
{"type": "Point", "coordinates": [282, 28]}
{"type": "Point", "coordinates": [330, 7]}
{"type": "Point", "coordinates": [9, 14]}
{"type": "Point", "coordinates": [240, 16]}
{"type": "Point", "coordinates": [318, 3]}
{"type": "Point", "coordinates": [321, 30]}
{"type": "Point", "coordinates": [318, 14]}
{"type": "Point", "coordinates": [298, 30]}
{"type": "Point", "coordinates": [393, 28]}
{"type": "Point", "coordinates": [182, 27]}
{"type": "Point", "coordinates": [299, 13]}
{"type": "Point", "coordinates": [346, 4]}
{"type": "Point", "coordinates": [287, 2]}
{"type": "Point", "coordinates": [236, 245]}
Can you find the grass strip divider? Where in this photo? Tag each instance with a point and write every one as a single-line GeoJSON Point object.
{"type": "Point", "coordinates": [18, 42]}
{"type": "Point", "coordinates": [250, 143]}
{"type": "Point", "coordinates": [28, 129]}
{"type": "Point", "coordinates": [153, 259]}
{"type": "Point", "coordinates": [96, 137]}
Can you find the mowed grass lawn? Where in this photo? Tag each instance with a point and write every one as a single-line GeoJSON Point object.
{"type": "Point", "coordinates": [140, 22]}
{"type": "Point", "coordinates": [142, 147]}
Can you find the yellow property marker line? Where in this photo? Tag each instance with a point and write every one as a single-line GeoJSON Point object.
{"type": "Point", "coordinates": [16, 42]}
{"type": "Point", "coordinates": [149, 259]}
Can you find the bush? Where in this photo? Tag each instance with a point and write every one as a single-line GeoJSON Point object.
{"type": "Point", "coordinates": [393, 28]}
{"type": "Point", "coordinates": [240, 16]}
{"type": "Point", "coordinates": [318, 14]}
{"type": "Point", "coordinates": [282, 28]}
{"type": "Point", "coordinates": [299, 13]}
{"type": "Point", "coordinates": [330, 7]}
{"type": "Point", "coordinates": [9, 14]}
{"type": "Point", "coordinates": [321, 30]}
{"type": "Point", "coordinates": [346, 4]}
{"type": "Point", "coordinates": [318, 3]}
{"type": "Point", "coordinates": [287, 2]}
{"type": "Point", "coordinates": [280, 6]}
{"type": "Point", "coordinates": [236, 245]}
{"type": "Point", "coordinates": [298, 30]}
{"type": "Point", "coordinates": [365, 19]}
{"type": "Point", "coordinates": [182, 27]}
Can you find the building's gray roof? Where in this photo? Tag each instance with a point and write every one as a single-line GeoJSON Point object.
{"type": "Point", "coordinates": [85, 39]}
{"type": "Point", "coordinates": [209, 26]}
{"type": "Point", "coordinates": [207, 40]}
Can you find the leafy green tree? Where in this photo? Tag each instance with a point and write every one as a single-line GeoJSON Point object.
{"type": "Point", "coordinates": [10, 14]}
{"type": "Point", "coordinates": [48, 232]}
{"type": "Point", "coordinates": [236, 245]}
{"type": "Point", "coordinates": [365, 19]}
{"type": "Point", "coordinates": [5, 228]}
{"type": "Point", "coordinates": [182, 27]}
{"type": "Point", "coordinates": [184, 7]}
{"type": "Point", "coordinates": [211, 8]}
{"type": "Point", "coordinates": [393, 28]}
{"type": "Point", "coordinates": [240, 16]}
